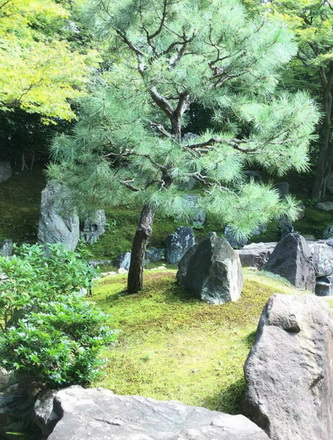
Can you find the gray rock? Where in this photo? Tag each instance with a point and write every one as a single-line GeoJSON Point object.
{"type": "Point", "coordinates": [237, 242]}
{"type": "Point", "coordinates": [93, 227]}
{"type": "Point", "coordinates": [6, 248]}
{"type": "Point", "coordinates": [285, 226]}
{"type": "Point", "coordinates": [289, 371]}
{"type": "Point", "coordinates": [58, 222]}
{"type": "Point", "coordinates": [328, 232]}
{"type": "Point", "coordinates": [183, 265]}
{"type": "Point", "coordinates": [293, 260]}
{"type": "Point", "coordinates": [324, 286]}
{"type": "Point", "coordinates": [99, 414]}
{"type": "Point", "coordinates": [324, 206]}
{"type": "Point", "coordinates": [154, 254]}
{"type": "Point", "coordinates": [178, 243]}
{"type": "Point", "coordinates": [5, 171]}
{"type": "Point", "coordinates": [123, 261]}
{"type": "Point", "coordinates": [213, 272]}
{"type": "Point", "coordinates": [323, 258]}
{"type": "Point", "coordinates": [198, 216]}
{"type": "Point", "coordinates": [256, 254]}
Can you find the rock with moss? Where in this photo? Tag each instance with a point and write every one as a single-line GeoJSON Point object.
{"type": "Point", "coordinates": [289, 371]}
{"type": "Point", "coordinates": [93, 226]}
{"type": "Point", "coordinates": [101, 415]}
{"type": "Point", "coordinates": [212, 271]}
{"type": "Point", "coordinates": [58, 222]}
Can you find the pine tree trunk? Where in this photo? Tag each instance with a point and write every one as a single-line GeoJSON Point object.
{"type": "Point", "coordinates": [325, 158]}
{"type": "Point", "coordinates": [143, 232]}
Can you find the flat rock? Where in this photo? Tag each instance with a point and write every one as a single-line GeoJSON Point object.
{"type": "Point", "coordinates": [256, 254]}
{"type": "Point", "coordinates": [98, 414]}
{"type": "Point", "coordinates": [325, 206]}
{"type": "Point", "coordinates": [289, 371]}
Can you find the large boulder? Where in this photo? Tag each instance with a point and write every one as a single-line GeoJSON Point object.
{"type": "Point", "coordinates": [322, 258]}
{"type": "Point", "coordinates": [289, 371]}
{"type": "Point", "coordinates": [178, 243]}
{"type": "Point", "coordinates": [212, 271]}
{"type": "Point", "coordinates": [99, 414]}
{"type": "Point", "coordinates": [58, 222]}
{"type": "Point", "coordinates": [256, 254]}
{"type": "Point", "coordinates": [293, 260]}
{"type": "Point", "coordinates": [93, 226]}
{"type": "Point", "coordinates": [5, 171]}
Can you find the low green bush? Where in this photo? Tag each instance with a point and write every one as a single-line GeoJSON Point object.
{"type": "Point", "coordinates": [48, 331]}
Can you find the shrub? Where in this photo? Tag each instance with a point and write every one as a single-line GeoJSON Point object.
{"type": "Point", "coordinates": [48, 331]}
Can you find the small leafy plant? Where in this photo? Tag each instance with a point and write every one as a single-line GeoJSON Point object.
{"type": "Point", "coordinates": [48, 331]}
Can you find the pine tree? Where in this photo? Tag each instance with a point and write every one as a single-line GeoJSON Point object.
{"type": "Point", "coordinates": [130, 142]}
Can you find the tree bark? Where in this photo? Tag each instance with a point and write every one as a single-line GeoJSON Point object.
{"type": "Point", "coordinates": [325, 157]}
{"type": "Point", "coordinates": [143, 232]}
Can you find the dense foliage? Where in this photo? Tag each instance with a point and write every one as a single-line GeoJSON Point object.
{"type": "Point", "coordinates": [49, 332]}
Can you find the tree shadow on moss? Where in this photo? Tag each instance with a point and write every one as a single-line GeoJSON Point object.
{"type": "Point", "coordinates": [230, 400]}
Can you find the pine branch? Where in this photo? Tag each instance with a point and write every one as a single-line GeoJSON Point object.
{"type": "Point", "coordinates": [162, 102]}
{"type": "Point", "coordinates": [234, 143]}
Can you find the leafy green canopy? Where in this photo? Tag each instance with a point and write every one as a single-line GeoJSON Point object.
{"type": "Point", "coordinates": [131, 141]}
{"type": "Point", "coordinates": [48, 332]}
{"type": "Point", "coordinates": [39, 71]}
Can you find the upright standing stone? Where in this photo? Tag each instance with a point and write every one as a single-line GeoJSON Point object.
{"type": "Point", "coordinates": [93, 226]}
{"type": "Point", "coordinates": [213, 272]}
{"type": "Point", "coordinates": [289, 371]}
{"type": "Point", "coordinates": [178, 243]}
{"type": "Point", "coordinates": [5, 171]}
{"type": "Point", "coordinates": [6, 248]}
{"type": "Point", "coordinates": [58, 222]}
{"type": "Point", "coordinates": [293, 260]}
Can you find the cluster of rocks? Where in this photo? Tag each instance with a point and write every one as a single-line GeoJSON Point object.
{"type": "Point", "coordinates": [60, 223]}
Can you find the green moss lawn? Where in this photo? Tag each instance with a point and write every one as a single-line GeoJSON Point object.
{"type": "Point", "coordinates": [173, 347]}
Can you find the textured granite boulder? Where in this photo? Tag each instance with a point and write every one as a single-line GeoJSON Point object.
{"type": "Point", "coordinates": [293, 260]}
{"type": "Point", "coordinates": [6, 248]}
{"type": "Point", "coordinates": [98, 414]}
{"type": "Point", "coordinates": [123, 261]}
{"type": "Point", "coordinates": [212, 271]}
{"type": "Point", "coordinates": [322, 258]}
{"type": "Point", "coordinates": [256, 254]}
{"type": "Point", "coordinates": [178, 243]}
{"type": "Point", "coordinates": [58, 222]}
{"type": "Point", "coordinates": [93, 226]}
{"type": "Point", "coordinates": [289, 371]}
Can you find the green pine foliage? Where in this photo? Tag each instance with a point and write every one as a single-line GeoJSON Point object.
{"type": "Point", "coordinates": [129, 144]}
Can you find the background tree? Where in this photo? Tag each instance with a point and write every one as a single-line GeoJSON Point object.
{"type": "Point", "coordinates": [43, 67]}
{"type": "Point", "coordinates": [311, 69]}
{"type": "Point", "coordinates": [131, 143]}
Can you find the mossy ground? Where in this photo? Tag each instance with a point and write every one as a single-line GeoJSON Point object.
{"type": "Point", "coordinates": [174, 347]}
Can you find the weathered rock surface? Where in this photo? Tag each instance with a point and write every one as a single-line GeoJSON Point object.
{"type": "Point", "coordinates": [324, 286]}
{"type": "Point", "coordinates": [99, 414]}
{"type": "Point", "coordinates": [178, 243]}
{"type": "Point", "coordinates": [289, 371]}
{"type": "Point", "coordinates": [325, 206]}
{"type": "Point", "coordinates": [323, 258]}
{"type": "Point", "coordinates": [154, 254]}
{"type": "Point", "coordinates": [123, 261]}
{"type": "Point", "coordinates": [212, 271]}
{"type": "Point", "coordinates": [5, 171]}
{"type": "Point", "coordinates": [93, 226]}
{"type": "Point", "coordinates": [58, 222]}
{"type": "Point", "coordinates": [6, 248]}
{"type": "Point", "coordinates": [293, 260]}
{"type": "Point", "coordinates": [256, 254]}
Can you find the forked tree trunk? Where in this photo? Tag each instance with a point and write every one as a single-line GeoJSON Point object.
{"type": "Point", "coordinates": [142, 234]}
